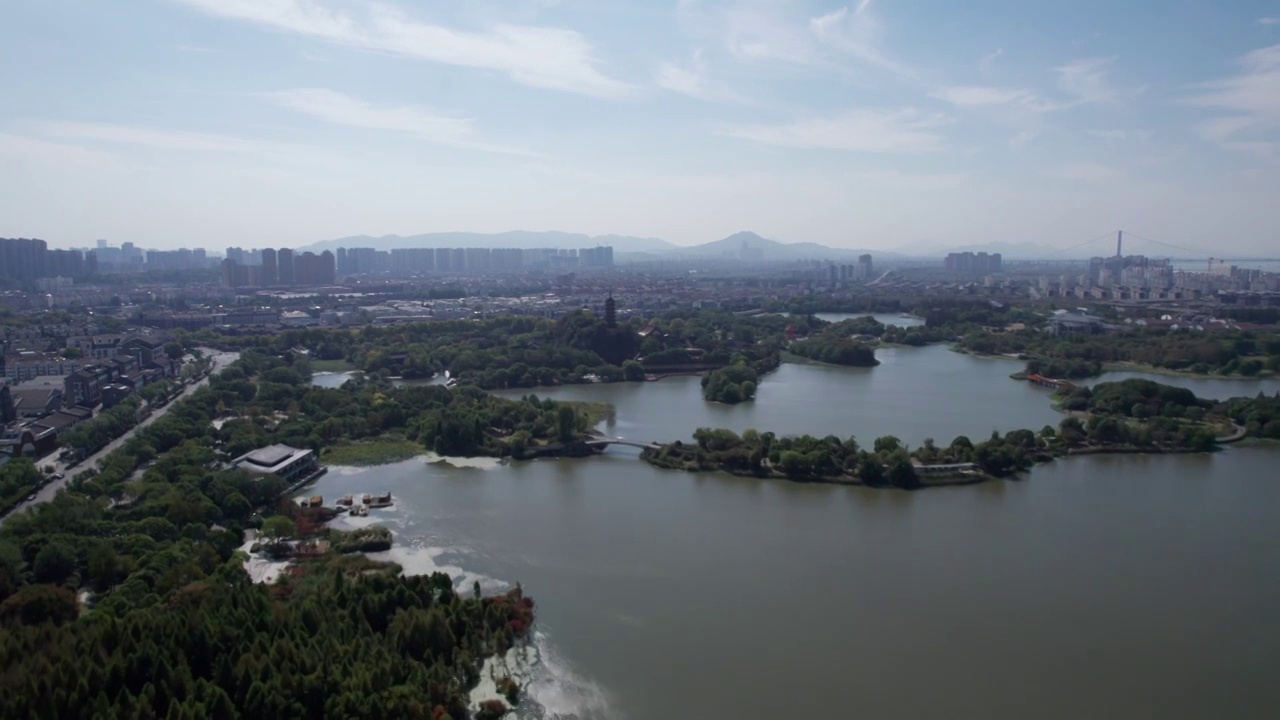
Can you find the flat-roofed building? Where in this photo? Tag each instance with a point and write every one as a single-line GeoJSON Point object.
{"type": "Point", "coordinates": [287, 463]}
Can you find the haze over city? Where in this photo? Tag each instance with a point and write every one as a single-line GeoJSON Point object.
{"type": "Point", "coordinates": [872, 124]}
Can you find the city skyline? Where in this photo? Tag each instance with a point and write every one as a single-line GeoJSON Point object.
{"type": "Point", "coordinates": [871, 124]}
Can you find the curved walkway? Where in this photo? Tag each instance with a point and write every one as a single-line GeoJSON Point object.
{"type": "Point", "coordinates": [1235, 436]}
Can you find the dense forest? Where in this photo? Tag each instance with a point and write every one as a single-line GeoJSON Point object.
{"type": "Point", "coordinates": [730, 385]}
{"type": "Point", "coordinates": [18, 477]}
{"type": "Point", "coordinates": [1138, 398]}
{"type": "Point", "coordinates": [1260, 416]}
{"type": "Point", "coordinates": [887, 463]}
{"type": "Point", "coordinates": [1229, 353]}
{"type": "Point", "coordinates": [838, 344]}
{"type": "Point", "coordinates": [174, 628]}
{"type": "Point", "coordinates": [525, 351]}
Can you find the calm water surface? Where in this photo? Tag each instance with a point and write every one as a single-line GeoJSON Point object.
{"type": "Point", "coordinates": [1096, 587]}
{"type": "Point", "coordinates": [882, 318]}
{"type": "Point", "coordinates": [915, 393]}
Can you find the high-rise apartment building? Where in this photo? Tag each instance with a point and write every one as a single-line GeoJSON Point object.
{"type": "Point", "coordinates": [596, 257]}
{"type": "Point", "coordinates": [969, 263]}
{"type": "Point", "coordinates": [284, 266]}
{"type": "Point", "coordinates": [22, 258]}
{"type": "Point", "coordinates": [31, 259]}
{"type": "Point", "coordinates": [270, 274]}
{"type": "Point", "coordinates": [312, 269]}
{"type": "Point", "coordinates": [865, 268]}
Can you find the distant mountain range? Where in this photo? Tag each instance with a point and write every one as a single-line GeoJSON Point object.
{"type": "Point", "coordinates": [745, 245]}
{"type": "Point", "coordinates": [523, 239]}
{"type": "Point", "coordinates": [635, 248]}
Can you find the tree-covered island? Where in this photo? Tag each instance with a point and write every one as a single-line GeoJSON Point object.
{"type": "Point", "coordinates": [1132, 416]}
{"type": "Point", "coordinates": [848, 342]}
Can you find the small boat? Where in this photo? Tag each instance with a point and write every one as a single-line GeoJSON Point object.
{"type": "Point", "coordinates": [316, 501]}
{"type": "Point", "coordinates": [346, 500]}
{"type": "Point", "coordinates": [360, 511]}
{"type": "Point", "coordinates": [366, 498]}
{"type": "Point", "coordinates": [379, 501]}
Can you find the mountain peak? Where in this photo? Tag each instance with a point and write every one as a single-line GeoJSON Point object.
{"type": "Point", "coordinates": [748, 236]}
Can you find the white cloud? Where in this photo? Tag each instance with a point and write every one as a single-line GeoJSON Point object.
{"type": "Point", "coordinates": [1086, 172]}
{"type": "Point", "coordinates": [1080, 82]}
{"type": "Point", "coordinates": [985, 63]}
{"type": "Point", "coordinates": [154, 138]}
{"type": "Point", "coordinates": [692, 79]}
{"type": "Point", "coordinates": [419, 121]}
{"type": "Point", "coordinates": [1267, 21]}
{"type": "Point", "coordinates": [1085, 80]}
{"type": "Point", "coordinates": [1022, 138]}
{"type": "Point", "coordinates": [541, 57]}
{"type": "Point", "coordinates": [1251, 101]}
{"type": "Point", "coordinates": [769, 30]}
{"type": "Point", "coordinates": [24, 150]}
{"type": "Point", "coordinates": [1121, 136]}
{"type": "Point", "coordinates": [1220, 129]}
{"type": "Point", "coordinates": [758, 31]}
{"type": "Point", "coordinates": [980, 96]}
{"type": "Point", "coordinates": [1255, 90]}
{"type": "Point", "coordinates": [858, 33]}
{"type": "Point", "coordinates": [872, 131]}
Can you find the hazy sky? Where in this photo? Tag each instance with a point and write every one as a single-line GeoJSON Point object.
{"type": "Point", "coordinates": [873, 123]}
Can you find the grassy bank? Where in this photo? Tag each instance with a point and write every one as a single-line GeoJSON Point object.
{"type": "Point", "coordinates": [1153, 370]}
{"type": "Point", "coordinates": [381, 451]}
{"type": "Point", "coordinates": [595, 412]}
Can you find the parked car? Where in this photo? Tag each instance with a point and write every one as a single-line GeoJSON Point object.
{"type": "Point", "coordinates": [58, 476]}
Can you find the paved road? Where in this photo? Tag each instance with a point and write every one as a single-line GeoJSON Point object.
{"type": "Point", "coordinates": [46, 493]}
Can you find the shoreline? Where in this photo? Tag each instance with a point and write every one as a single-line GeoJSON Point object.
{"type": "Point", "coordinates": [794, 359]}
{"type": "Point", "coordinates": [975, 477]}
{"type": "Point", "coordinates": [1127, 366]}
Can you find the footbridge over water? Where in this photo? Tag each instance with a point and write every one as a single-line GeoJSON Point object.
{"type": "Point", "coordinates": [603, 441]}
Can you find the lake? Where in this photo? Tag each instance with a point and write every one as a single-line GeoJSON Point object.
{"type": "Point", "coordinates": [337, 379]}
{"type": "Point", "coordinates": [882, 318]}
{"type": "Point", "coordinates": [1126, 586]}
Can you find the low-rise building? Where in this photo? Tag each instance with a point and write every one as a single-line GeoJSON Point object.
{"type": "Point", "coordinates": [287, 463]}
{"type": "Point", "coordinates": [1065, 323]}
{"type": "Point", "coordinates": [25, 365]}
{"type": "Point", "coordinates": [297, 319]}
{"type": "Point", "coordinates": [84, 386]}
{"type": "Point", "coordinates": [114, 393]}
{"type": "Point", "coordinates": [36, 401]}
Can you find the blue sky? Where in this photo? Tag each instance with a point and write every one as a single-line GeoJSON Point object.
{"type": "Point", "coordinates": [886, 124]}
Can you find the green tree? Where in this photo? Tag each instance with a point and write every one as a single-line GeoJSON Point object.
{"type": "Point", "coordinates": [566, 423]}
{"type": "Point", "coordinates": [278, 527]}
{"type": "Point", "coordinates": [37, 604]}
{"type": "Point", "coordinates": [632, 371]}
{"type": "Point", "coordinates": [54, 563]}
{"type": "Point", "coordinates": [103, 566]}
{"type": "Point", "coordinates": [887, 444]}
